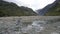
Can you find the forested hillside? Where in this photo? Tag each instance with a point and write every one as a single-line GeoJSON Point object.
{"type": "Point", "coordinates": [11, 9]}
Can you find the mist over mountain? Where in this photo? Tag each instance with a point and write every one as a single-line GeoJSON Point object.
{"type": "Point", "coordinates": [51, 9]}
{"type": "Point", "coordinates": [11, 9]}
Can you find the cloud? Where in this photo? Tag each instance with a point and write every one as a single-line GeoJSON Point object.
{"type": "Point", "coordinates": [34, 4]}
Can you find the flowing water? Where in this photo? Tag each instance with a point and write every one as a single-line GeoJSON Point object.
{"type": "Point", "coordinates": [34, 27]}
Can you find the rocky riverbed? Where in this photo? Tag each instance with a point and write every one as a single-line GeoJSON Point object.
{"type": "Point", "coordinates": [30, 25]}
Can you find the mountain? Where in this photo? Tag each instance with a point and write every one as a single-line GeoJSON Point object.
{"type": "Point", "coordinates": [11, 9]}
{"type": "Point", "coordinates": [55, 10]}
{"type": "Point", "coordinates": [51, 9]}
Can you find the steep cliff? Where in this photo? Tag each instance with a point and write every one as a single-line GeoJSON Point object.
{"type": "Point", "coordinates": [51, 9]}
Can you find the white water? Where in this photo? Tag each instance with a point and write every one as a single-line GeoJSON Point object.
{"type": "Point", "coordinates": [34, 28]}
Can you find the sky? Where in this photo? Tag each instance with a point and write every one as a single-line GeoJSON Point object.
{"type": "Point", "coordinates": [34, 4]}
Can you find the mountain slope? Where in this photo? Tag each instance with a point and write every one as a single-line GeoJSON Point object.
{"type": "Point", "coordinates": [51, 9]}
{"type": "Point", "coordinates": [11, 9]}
{"type": "Point", "coordinates": [55, 10]}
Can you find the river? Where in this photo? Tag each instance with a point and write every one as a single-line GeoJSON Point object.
{"type": "Point", "coordinates": [15, 26]}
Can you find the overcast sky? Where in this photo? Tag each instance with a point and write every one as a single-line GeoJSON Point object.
{"type": "Point", "coordinates": [34, 4]}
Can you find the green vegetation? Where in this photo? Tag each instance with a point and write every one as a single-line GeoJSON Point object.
{"type": "Point", "coordinates": [54, 11]}
{"type": "Point", "coordinates": [11, 9]}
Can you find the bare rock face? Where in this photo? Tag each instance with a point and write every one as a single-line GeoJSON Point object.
{"type": "Point", "coordinates": [57, 0]}
{"type": "Point", "coordinates": [51, 9]}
